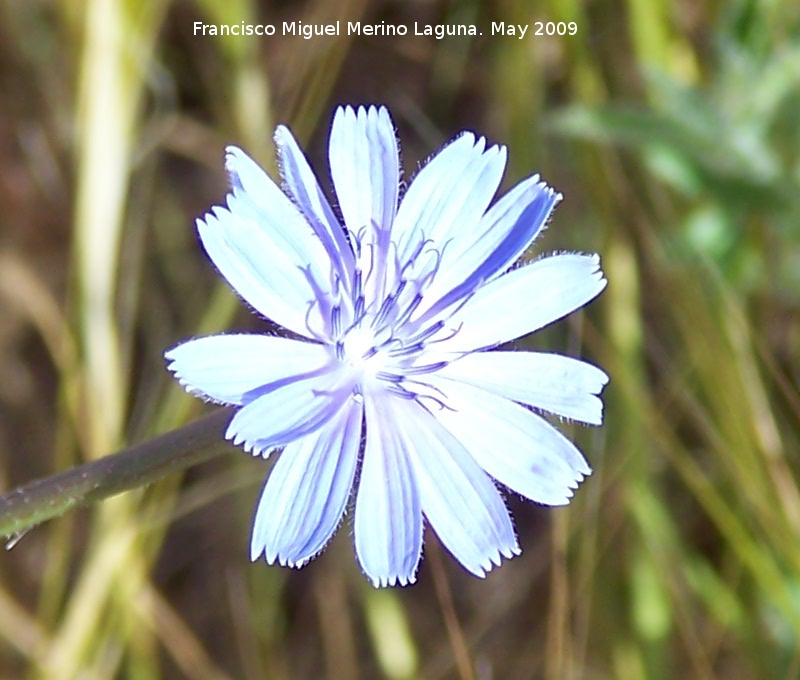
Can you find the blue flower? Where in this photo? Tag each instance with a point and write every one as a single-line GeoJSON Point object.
{"type": "Point", "coordinates": [388, 380]}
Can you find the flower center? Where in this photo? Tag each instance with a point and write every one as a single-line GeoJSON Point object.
{"type": "Point", "coordinates": [374, 334]}
{"type": "Point", "coordinates": [359, 349]}
{"type": "Point", "coordinates": [358, 346]}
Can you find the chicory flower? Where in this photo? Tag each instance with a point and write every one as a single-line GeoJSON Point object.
{"type": "Point", "coordinates": [387, 394]}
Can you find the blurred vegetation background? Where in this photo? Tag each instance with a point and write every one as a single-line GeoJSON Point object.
{"type": "Point", "coordinates": [672, 130]}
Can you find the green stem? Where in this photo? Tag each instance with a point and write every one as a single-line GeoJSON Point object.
{"type": "Point", "coordinates": [135, 466]}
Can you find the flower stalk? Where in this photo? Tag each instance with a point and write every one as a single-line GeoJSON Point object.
{"type": "Point", "coordinates": [135, 466]}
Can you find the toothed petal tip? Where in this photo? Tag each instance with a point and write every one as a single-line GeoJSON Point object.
{"type": "Point", "coordinates": [393, 581]}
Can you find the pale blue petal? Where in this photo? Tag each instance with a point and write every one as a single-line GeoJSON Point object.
{"type": "Point", "coordinates": [306, 494]}
{"type": "Point", "coordinates": [458, 498]}
{"type": "Point", "coordinates": [292, 410]}
{"type": "Point", "coordinates": [302, 184]}
{"type": "Point", "coordinates": [502, 236]}
{"type": "Point", "coordinates": [448, 197]}
{"type": "Point", "coordinates": [523, 301]}
{"type": "Point", "coordinates": [258, 270]}
{"type": "Point", "coordinates": [515, 446]}
{"type": "Point", "coordinates": [388, 523]}
{"type": "Point", "coordinates": [266, 250]}
{"type": "Point", "coordinates": [551, 382]}
{"type": "Point", "coordinates": [365, 166]}
{"type": "Point", "coordinates": [510, 226]}
{"type": "Point", "coordinates": [228, 368]}
{"type": "Point", "coordinates": [256, 196]}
